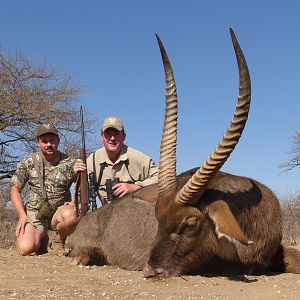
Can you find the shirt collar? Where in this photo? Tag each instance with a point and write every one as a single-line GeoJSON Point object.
{"type": "Point", "coordinates": [123, 156]}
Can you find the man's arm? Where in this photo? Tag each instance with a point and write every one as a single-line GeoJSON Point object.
{"type": "Point", "coordinates": [122, 189]}
{"type": "Point", "coordinates": [152, 175]}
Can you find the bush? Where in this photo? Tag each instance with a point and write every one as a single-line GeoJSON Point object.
{"type": "Point", "coordinates": [8, 217]}
{"type": "Point", "coordinates": [8, 221]}
{"type": "Point", "coordinates": [291, 219]}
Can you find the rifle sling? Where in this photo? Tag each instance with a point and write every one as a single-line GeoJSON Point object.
{"type": "Point", "coordinates": [126, 165]}
{"type": "Point", "coordinates": [40, 168]}
{"type": "Point", "coordinates": [97, 184]}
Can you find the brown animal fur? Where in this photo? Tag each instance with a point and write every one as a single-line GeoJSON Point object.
{"type": "Point", "coordinates": [216, 223]}
{"type": "Point", "coordinates": [115, 235]}
{"type": "Point", "coordinates": [122, 233]}
{"type": "Point", "coordinates": [254, 207]}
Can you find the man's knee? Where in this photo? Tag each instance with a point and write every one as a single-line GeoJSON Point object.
{"type": "Point", "coordinates": [25, 248]}
{"type": "Point", "coordinates": [65, 215]}
{"type": "Point", "coordinates": [29, 242]}
{"type": "Point", "coordinates": [68, 212]}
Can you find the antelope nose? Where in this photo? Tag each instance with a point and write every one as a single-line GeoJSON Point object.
{"type": "Point", "coordinates": [149, 272]}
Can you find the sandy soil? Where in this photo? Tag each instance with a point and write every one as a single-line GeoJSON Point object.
{"type": "Point", "coordinates": [48, 276]}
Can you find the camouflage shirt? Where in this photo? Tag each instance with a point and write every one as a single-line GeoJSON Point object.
{"type": "Point", "coordinates": [57, 180]}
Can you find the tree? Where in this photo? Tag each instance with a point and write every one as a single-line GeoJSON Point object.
{"type": "Point", "coordinates": [31, 95]}
{"type": "Point", "coordinates": [294, 160]}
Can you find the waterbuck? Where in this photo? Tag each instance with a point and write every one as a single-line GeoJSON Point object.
{"type": "Point", "coordinates": [201, 221]}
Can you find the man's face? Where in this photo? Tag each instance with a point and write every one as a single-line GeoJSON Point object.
{"type": "Point", "coordinates": [113, 140]}
{"type": "Point", "coordinates": [48, 143]}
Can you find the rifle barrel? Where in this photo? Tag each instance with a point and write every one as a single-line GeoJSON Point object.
{"type": "Point", "coordinates": [82, 128]}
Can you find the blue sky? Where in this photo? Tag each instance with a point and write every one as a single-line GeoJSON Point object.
{"type": "Point", "coordinates": [109, 47]}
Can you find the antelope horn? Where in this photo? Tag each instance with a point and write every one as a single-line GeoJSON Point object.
{"type": "Point", "coordinates": [196, 184]}
{"type": "Point", "coordinates": [167, 165]}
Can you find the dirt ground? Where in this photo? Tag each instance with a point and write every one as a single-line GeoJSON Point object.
{"type": "Point", "coordinates": [48, 276]}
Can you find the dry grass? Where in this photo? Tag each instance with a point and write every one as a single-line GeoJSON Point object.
{"type": "Point", "coordinates": [291, 219]}
{"type": "Point", "coordinates": [8, 218]}
{"type": "Point", "coordinates": [8, 221]}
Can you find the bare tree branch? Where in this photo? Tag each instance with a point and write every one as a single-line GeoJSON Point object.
{"type": "Point", "coordinates": [31, 95]}
{"type": "Point", "coordinates": [294, 154]}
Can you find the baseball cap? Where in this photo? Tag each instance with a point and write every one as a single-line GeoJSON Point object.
{"type": "Point", "coordinates": [46, 128]}
{"type": "Point", "coordinates": [112, 122]}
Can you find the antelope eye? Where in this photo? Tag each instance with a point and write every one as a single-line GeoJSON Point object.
{"type": "Point", "coordinates": [191, 223]}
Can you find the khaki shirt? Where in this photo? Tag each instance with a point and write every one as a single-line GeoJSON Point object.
{"type": "Point", "coordinates": [132, 166]}
{"type": "Point", "coordinates": [57, 180]}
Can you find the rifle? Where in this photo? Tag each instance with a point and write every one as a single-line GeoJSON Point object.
{"type": "Point", "coordinates": [83, 179]}
{"type": "Point", "coordinates": [92, 191]}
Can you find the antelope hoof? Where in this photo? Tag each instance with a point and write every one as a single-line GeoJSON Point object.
{"type": "Point", "coordinates": [82, 259]}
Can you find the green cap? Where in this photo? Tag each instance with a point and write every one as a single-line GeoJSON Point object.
{"type": "Point", "coordinates": [46, 128]}
{"type": "Point", "coordinates": [112, 122]}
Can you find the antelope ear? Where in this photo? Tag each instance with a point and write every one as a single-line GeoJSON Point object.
{"type": "Point", "coordinates": [148, 193]}
{"type": "Point", "coordinates": [225, 222]}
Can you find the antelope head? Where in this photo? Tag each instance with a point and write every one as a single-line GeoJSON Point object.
{"type": "Point", "coordinates": [182, 225]}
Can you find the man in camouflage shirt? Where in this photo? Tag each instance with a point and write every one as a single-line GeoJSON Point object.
{"type": "Point", "coordinates": [56, 173]}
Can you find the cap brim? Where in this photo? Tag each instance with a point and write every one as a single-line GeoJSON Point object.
{"type": "Point", "coordinates": [111, 126]}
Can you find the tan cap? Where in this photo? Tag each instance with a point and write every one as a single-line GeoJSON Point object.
{"type": "Point", "coordinates": [46, 128]}
{"type": "Point", "coordinates": [112, 122]}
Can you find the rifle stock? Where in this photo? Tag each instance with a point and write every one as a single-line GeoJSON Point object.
{"type": "Point", "coordinates": [84, 193]}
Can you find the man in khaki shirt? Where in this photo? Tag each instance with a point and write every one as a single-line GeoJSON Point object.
{"type": "Point", "coordinates": [133, 168]}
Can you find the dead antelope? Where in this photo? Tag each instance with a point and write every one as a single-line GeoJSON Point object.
{"type": "Point", "coordinates": [203, 220]}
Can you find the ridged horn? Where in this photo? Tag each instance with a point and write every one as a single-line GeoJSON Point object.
{"type": "Point", "coordinates": [194, 187]}
{"type": "Point", "coordinates": [167, 165]}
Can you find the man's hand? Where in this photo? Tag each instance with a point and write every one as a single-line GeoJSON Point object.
{"type": "Point", "coordinates": [79, 166]}
{"type": "Point", "coordinates": [23, 220]}
{"type": "Point", "coordinates": [121, 189]}
{"type": "Point", "coordinates": [17, 202]}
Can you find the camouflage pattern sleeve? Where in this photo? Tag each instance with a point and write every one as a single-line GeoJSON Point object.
{"type": "Point", "coordinates": [21, 175]}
